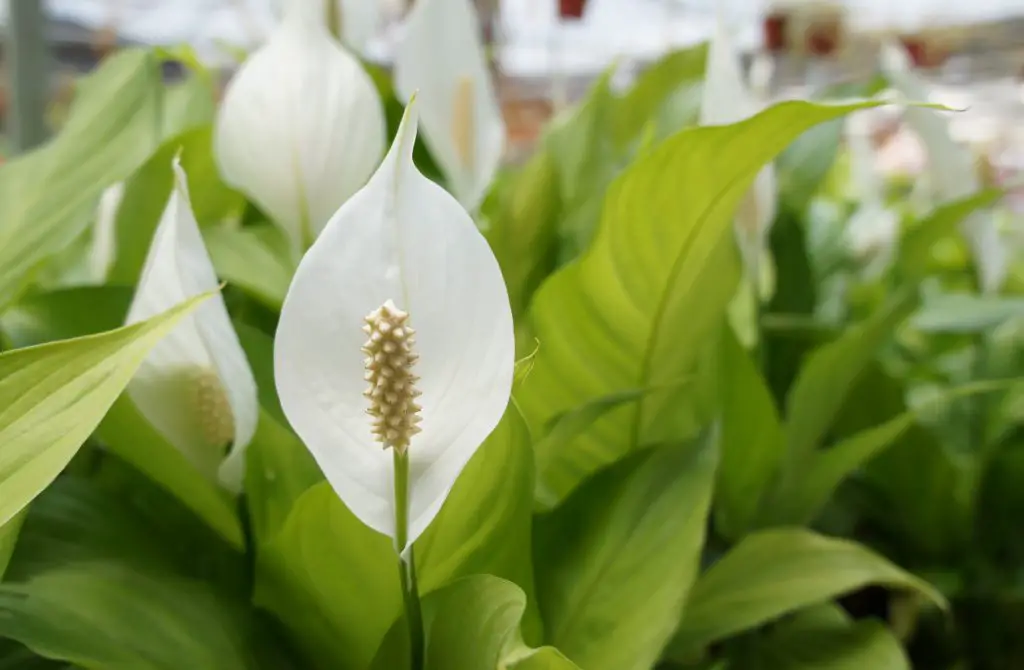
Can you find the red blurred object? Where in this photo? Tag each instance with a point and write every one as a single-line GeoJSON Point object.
{"type": "Point", "coordinates": [923, 54]}
{"type": "Point", "coordinates": [823, 39]}
{"type": "Point", "coordinates": [571, 9]}
{"type": "Point", "coordinates": [775, 28]}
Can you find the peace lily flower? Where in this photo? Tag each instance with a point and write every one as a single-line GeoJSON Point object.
{"type": "Point", "coordinates": [440, 57]}
{"type": "Point", "coordinates": [101, 255]}
{"type": "Point", "coordinates": [727, 99]}
{"type": "Point", "coordinates": [951, 168]}
{"type": "Point", "coordinates": [301, 127]}
{"type": "Point", "coordinates": [394, 354]}
{"type": "Point", "coordinates": [872, 230]}
{"type": "Point", "coordinates": [356, 21]}
{"type": "Point", "coordinates": [196, 387]}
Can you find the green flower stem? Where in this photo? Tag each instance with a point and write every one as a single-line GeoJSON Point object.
{"type": "Point", "coordinates": [406, 561]}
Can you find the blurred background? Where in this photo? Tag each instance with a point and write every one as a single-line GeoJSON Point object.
{"type": "Point", "coordinates": [546, 52]}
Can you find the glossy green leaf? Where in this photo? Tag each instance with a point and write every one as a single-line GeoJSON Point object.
{"type": "Point", "coordinates": [46, 195]}
{"type": "Point", "coordinates": [331, 580]}
{"type": "Point", "coordinates": [54, 395]}
{"type": "Point", "coordinates": [616, 561]}
{"type": "Point", "coordinates": [635, 311]}
{"type": "Point", "coordinates": [103, 616]}
{"type": "Point", "coordinates": [485, 524]}
{"type": "Point", "coordinates": [471, 624]}
{"type": "Point", "coordinates": [257, 259]}
{"type": "Point", "coordinates": [828, 375]}
{"type": "Point", "coordinates": [772, 573]}
{"type": "Point", "coordinates": [752, 444]}
{"type": "Point", "coordinates": [148, 190]}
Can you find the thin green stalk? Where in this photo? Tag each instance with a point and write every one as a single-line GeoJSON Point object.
{"type": "Point", "coordinates": [407, 562]}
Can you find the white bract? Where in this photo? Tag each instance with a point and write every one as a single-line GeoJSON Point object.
{"type": "Point", "coordinates": [196, 387]}
{"type": "Point", "coordinates": [301, 127]}
{"type": "Point", "coordinates": [951, 167]}
{"type": "Point", "coordinates": [440, 57]}
{"type": "Point", "coordinates": [727, 99]}
{"type": "Point", "coordinates": [104, 237]}
{"type": "Point", "coordinates": [396, 333]}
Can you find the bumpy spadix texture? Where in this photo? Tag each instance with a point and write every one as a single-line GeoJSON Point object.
{"type": "Point", "coordinates": [952, 173]}
{"type": "Point", "coordinates": [196, 386]}
{"type": "Point", "coordinates": [440, 57]}
{"type": "Point", "coordinates": [392, 391]}
{"type": "Point", "coordinates": [401, 238]}
{"type": "Point", "coordinates": [301, 127]}
{"type": "Point", "coordinates": [728, 99]}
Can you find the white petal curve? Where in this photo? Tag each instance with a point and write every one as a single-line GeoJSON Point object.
{"type": "Point", "coordinates": [727, 99]}
{"type": "Point", "coordinates": [951, 167]}
{"type": "Point", "coordinates": [440, 58]}
{"type": "Point", "coordinates": [301, 126]}
{"type": "Point", "coordinates": [104, 241]}
{"type": "Point", "coordinates": [164, 389]}
{"type": "Point", "coordinates": [403, 238]}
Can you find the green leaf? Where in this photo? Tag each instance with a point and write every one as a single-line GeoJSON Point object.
{"type": "Point", "coordinates": [102, 616]}
{"type": "Point", "coordinates": [146, 194]}
{"type": "Point", "coordinates": [772, 573]}
{"type": "Point", "coordinates": [331, 580]}
{"type": "Point", "coordinates": [8, 540]}
{"type": "Point", "coordinates": [829, 374]}
{"type": "Point", "coordinates": [44, 195]}
{"type": "Point", "coordinates": [54, 395]}
{"type": "Point", "coordinates": [65, 313]}
{"type": "Point", "coordinates": [259, 349]}
{"type": "Point", "coordinates": [825, 470]}
{"type": "Point", "coordinates": [824, 638]}
{"type": "Point", "coordinates": [616, 561]}
{"type": "Point", "coordinates": [636, 310]}
{"type": "Point", "coordinates": [752, 444]}
{"type": "Point", "coordinates": [187, 104]}
{"type": "Point", "coordinates": [485, 524]}
{"type": "Point", "coordinates": [256, 258]}
{"type": "Point", "coordinates": [127, 433]}
{"type": "Point", "coordinates": [964, 313]}
{"type": "Point", "coordinates": [915, 248]}
{"type": "Point", "coordinates": [471, 624]}
{"type": "Point", "coordinates": [279, 469]}
{"type": "Point", "coordinates": [653, 87]}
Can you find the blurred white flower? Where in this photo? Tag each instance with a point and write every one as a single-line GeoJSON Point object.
{"type": "Point", "coordinates": [104, 233]}
{"type": "Point", "coordinates": [440, 57]}
{"type": "Point", "coordinates": [196, 386]}
{"type": "Point", "coordinates": [396, 336]}
{"type": "Point", "coordinates": [952, 173]}
{"type": "Point", "coordinates": [727, 99]}
{"type": "Point", "coordinates": [301, 127]}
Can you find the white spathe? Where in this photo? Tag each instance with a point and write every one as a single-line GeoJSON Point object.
{"type": "Point", "coordinates": [196, 386]}
{"type": "Point", "coordinates": [951, 168]}
{"type": "Point", "coordinates": [400, 238]}
{"type": "Point", "coordinates": [441, 59]}
{"type": "Point", "coordinates": [873, 230]}
{"type": "Point", "coordinates": [104, 232]}
{"type": "Point", "coordinates": [727, 99]}
{"type": "Point", "coordinates": [360, 20]}
{"type": "Point", "coordinates": [301, 126]}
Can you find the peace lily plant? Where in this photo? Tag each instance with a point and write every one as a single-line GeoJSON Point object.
{"type": "Point", "coordinates": [195, 387]}
{"type": "Point", "coordinates": [462, 120]}
{"type": "Point", "coordinates": [301, 126]}
{"type": "Point", "coordinates": [395, 350]}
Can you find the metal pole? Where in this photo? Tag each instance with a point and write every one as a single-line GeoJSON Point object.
{"type": "Point", "coordinates": [28, 74]}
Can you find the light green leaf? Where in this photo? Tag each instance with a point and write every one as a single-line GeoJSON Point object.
{"type": "Point", "coordinates": [54, 395]}
{"type": "Point", "coordinates": [915, 248]}
{"type": "Point", "coordinates": [471, 624]}
{"type": "Point", "coordinates": [187, 104]}
{"type": "Point", "coordinates": [65, 313]}
{"type": "Point", "coordinates": [965, 313]}
{"type": "Point", "coordinates": [256, 258]}
{"type": "Point", "coordinates": [9, 539]}
{"type": "Point", "coordinates": [752, 443]}
{"type": "Point", "coordinates": [148, 190]}
{"type": "Point", "coordinates": [113, 128]}
{"type": "Point", "coordinates": [636, 309]}
{"type": "Point", "coordinates": [279, 469]}
{"type": "Point", "coordinates": [616, 561]}
{"type": "Point", "coordinates": [331, 580]}
{"type": "Point", "coordinates": [654, 86]}
{"type": "Point", "coordinates": [828, 375]}
{"type": "Point", "coordinates": [485, 524]}
{"type": "Point", "coordinates": [102, 616]}
{"type": "Point", "coordinates": [772, 573]}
